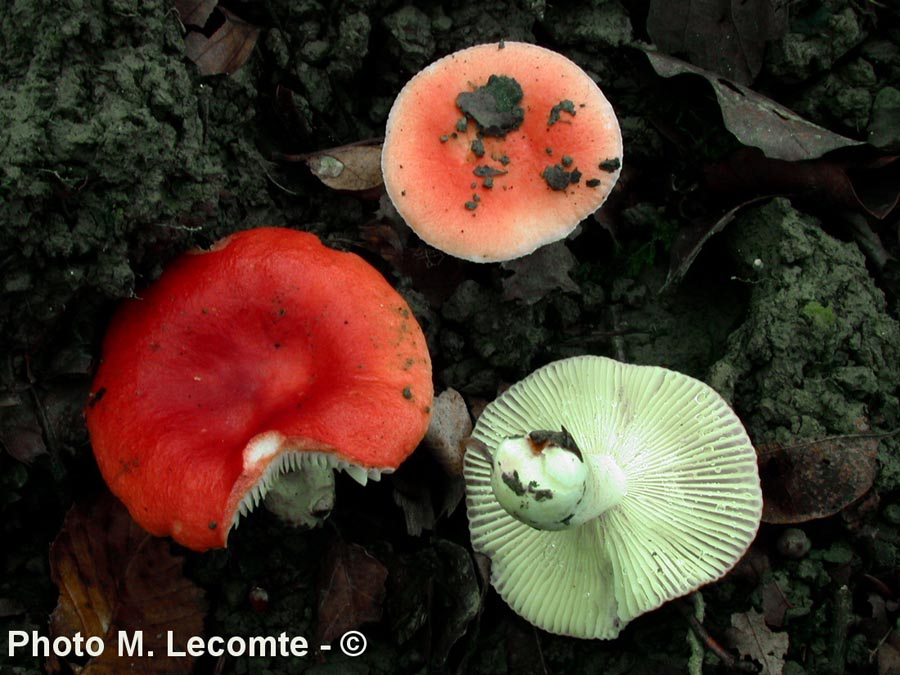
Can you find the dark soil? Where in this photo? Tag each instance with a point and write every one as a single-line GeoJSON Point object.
{"type": "Point", "coordinates": [117, 156]}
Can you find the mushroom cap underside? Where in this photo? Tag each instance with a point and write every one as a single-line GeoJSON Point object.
{"type": "Point", "coordinates": [500, 205]}
{"type": "Point", "coordinates": [268, 343]}
{"type": "Point", "coordinates": [691, 509]}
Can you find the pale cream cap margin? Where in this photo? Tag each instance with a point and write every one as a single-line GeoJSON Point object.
{"type": "Point", "coordinates": [692, 506]}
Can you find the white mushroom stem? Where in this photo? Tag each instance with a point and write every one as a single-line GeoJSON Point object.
{"type": "Point", "coordinates": [543, 480]}
{"type": "Point", "coordinates": [302, 498]}
{"type": "Point", "coordinates": [297, 484]}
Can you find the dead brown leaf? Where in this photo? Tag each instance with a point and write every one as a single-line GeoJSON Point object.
{"type": "Point", "coordinates": [888, 659]}
{"type": "Point", "coordinates": [449, 425]}
{"type": "Point", "coordinates": [384, 239]}
{"type": "Point", "coordinates": [354, 168]}
{"type": "Point", "coordinates": [775, 604]}
{"type": "Point", "coordinates": [434, 600]}
{"type": "Point", "coordinates": [815, 479]}
{"type": "Point", "coordinates": [539, 273]}
{"type": "Point", "coordinates": [523, 649]}
{"type": "Point", "coordinates": [20, 430]}
{"type": "Point", "coordinates": [756, 120]}
{"type": "Point", "coordinates": [351, 590]}
{"type": "Point", "coordinates": [430, 272]}
{"type": "Point", "coordinates": [870, 184]}
{"type": "Point", "coordinates": [751, 636]}
{"type": "Point", "coordinates": [425, 493]}
{"type": "Point", "coordinates": [690, 240]}
{"type": "Point", "coordinates": [225, 50]}
{"type": "Point", "coordinates": [725, 36]}
{"type": "Point", "coordinates": [195, 12]}
{"type": "Point", "coordinates": [114, 580]}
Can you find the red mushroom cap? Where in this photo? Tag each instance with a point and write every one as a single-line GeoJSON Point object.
{"type": "Point", "coordinates": [490, 185]}
{"type": "Point", "coordinates": [268, 348]}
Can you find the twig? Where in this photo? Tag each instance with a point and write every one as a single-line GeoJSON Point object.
{"type": "Point", "coordinates": [868, 240]}
{"type": "Point", "coordinates": [276, 183]}
{"type": "Point", "coordinates": [726, 657]}
{"type": "Point", "coordinates": [46, 427]}
{"type": "Point", "coordinates": [618, 339]}
{"type": "Point", "coordinates": [537, 641]}
{"type": "Point", "coordinates": [839, 627]}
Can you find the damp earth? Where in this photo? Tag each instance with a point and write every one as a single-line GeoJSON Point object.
{"type": "Point", "coordinates": [118, 154]}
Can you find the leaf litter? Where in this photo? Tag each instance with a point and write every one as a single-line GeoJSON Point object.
{"type": "Point", "coordinates": [537, 274]}
{"type": "Point", "coordinates": [351, 590]}
{"type": "Point", "coordinates": [450, 424]}
{"type": "Point", "coordinates": [816, 478]}
{"type": "Point", "coordinates": [719, 35]}
{"type": "Point", "coordinates": [229, 45]}
{"type": "Point", "coordinates": [354, 168]}
{"type": "Point", "coordinates": [114, 578]}
{"type": "Point", "coordinates": [434, 600]}
{"type": "Point", "coordinates": [853, 183]}
{"type": "Point", "coordinates": [515, 287]}
{"type": "Point", "coordinates": [753, 638]}
{"type": "Point", "coordinates": [757, 120]}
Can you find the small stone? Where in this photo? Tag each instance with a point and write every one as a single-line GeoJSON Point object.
{"type": "Point", "coordinates": [793, 543]}
{"type": "Point", "coordinates": [892, 514]}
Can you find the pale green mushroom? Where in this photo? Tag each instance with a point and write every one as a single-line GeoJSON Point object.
{"type": "Point", "coordinates": [601, 490]}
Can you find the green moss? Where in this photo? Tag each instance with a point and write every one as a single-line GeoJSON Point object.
{"type": "Point", "coordinates": [817, 351]}
{"type": "Point", "coordinates": [888, 477]}
{"type": "Point", "coordinates": [111, 149]}
{"type": "Point", "coordinates": [350, 46]}
{"type": "Point", "coordinates": [817, 40]}
{"type": "Point", "coordinates": [822, 318]}
{"type": "Point", "coordinates": [606, 25]}
{"type": "Point", "coordinates": [838, 553]}
{"type": "Point", "coordinates": [884, 132]}
{"type": "Point", "coordinates": [475, 22]}
{"type": "Point", "coordinates": [412, 40]}
{"type": "Point", "coordinates": [843, 98]}
{"type": "Point", "coordinates": [892, 514]}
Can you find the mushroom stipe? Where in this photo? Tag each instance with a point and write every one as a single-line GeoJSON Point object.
{"type": "Point", "coordinates": [266, 353]}
{"type": "Point", "coordinates": [601, 490]}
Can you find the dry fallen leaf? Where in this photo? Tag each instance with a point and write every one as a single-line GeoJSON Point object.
{"type": "Point", "coordinates": [775, 604]}
{"type": "Point", "coordinates": [888, 659]}
{"type": "Point", "coordinates": [456, 602]}
{"type": "Point", "coordinates": [815, 479]}
{"type": "Point", "coordinates": [384, 239]}
{"type": "Point", "coordinates": [726, 36]}
{"type": "Point", "coordinates": [434, 598]}
{"type": "Point", "coordinates": [867, 183]}
{"type": "Point", "coordinates": [351, 590]}
{"type": "Point", "coordinates": [195, 12]}
{"type": "Point", "coordinates": [690, 240]}
{"type": "Point", "coordinates": [224, 51]}
{"type": "Point", "coordinates": [539, 273]}
{"type": "Point", "coordinates": [449, 425]}
{"type": "Point", "coordinates": [20, 430]}
{"type": "Point", "coordinates": [751, 636]}
{"type": "Point", "coordinates": [756, 120]}
{"type": "Point", "coordinates": [354, 168]}
{"type": "Point", "coordinates": [116, 580]}
{"type": "Point", "coordinates": [425, 493]}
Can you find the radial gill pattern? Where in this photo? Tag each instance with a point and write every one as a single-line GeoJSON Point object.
{"type": "Point", "coordinates": [691, 508]}
{"type": "Point", "coordinates": [299, 461]}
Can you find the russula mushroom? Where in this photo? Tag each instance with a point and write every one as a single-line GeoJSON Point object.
{"type": "Point", "coordinates": [268, 352]}
{"type": "Point", "coordinates": [601, 490]}
{"type": "Point", "coordinates": [498, 149]}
